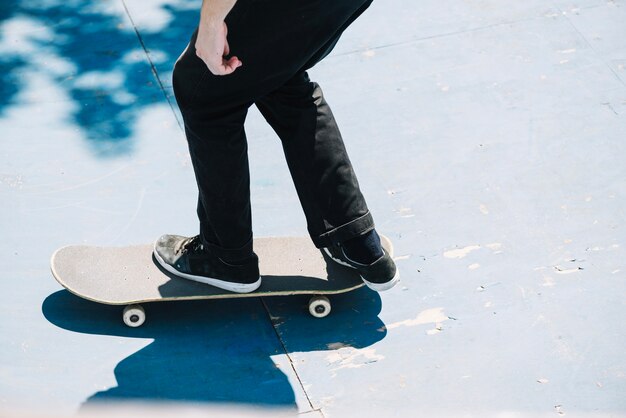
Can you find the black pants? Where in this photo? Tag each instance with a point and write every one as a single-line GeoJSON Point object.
{"type": "Point", "coordinates": [277, 41]}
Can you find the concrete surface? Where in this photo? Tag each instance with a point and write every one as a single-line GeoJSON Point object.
{"type": "Point", "coordinates": [488, 137]}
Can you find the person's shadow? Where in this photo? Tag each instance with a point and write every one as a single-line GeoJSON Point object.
{"type": "Point", "coordinates": [219, 351]}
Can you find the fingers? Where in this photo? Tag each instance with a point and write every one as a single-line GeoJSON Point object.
{"type": "Point", "coordinates": [221, 66]}
{"type": "Point", "coordinates": [229, 66]}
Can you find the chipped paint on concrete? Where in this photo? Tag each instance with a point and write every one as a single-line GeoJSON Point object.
{"type": "Point", "coordinates": [460, 252]}
{"type": "Point", "coordinates": [428, 316]}
{"type": "Point", "coordinates": [465, 251]}
{"type": "Point", "coordinates": [560, 270]}
{"type": "Point", "coordinates": [405, 212]}
{"type": "Point", "coordinates": [402, 257]}
{"type": "Point", "coordinates": [495, 246]}
{"type": "Point", "coordinates": [336, 346]}
{"type": "Point", "coordinates": [352, 358]}
{"type": "Point", "coordinates": [438, 328]}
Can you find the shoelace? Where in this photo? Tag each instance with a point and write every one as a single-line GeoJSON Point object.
{"type": "Point", "coordinates": [193, 244]}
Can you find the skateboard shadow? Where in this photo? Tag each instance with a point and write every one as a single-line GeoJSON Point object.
{"type": "Point", "coordinates": [219, 351]}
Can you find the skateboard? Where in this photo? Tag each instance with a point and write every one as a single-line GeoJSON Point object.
{"type": "Point", "coordinates": [130, 276]}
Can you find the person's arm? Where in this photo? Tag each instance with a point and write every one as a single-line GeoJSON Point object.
{"type": "Point", "coordinates": [211, 44]}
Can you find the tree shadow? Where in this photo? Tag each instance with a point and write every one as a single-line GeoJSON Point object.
{"type": "Point", "coordinates": [109, 69]}
{"type": "Point", "coordinates": [219, 351]}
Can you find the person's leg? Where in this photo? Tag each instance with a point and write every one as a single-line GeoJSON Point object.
{"type": "Point", "coordinates": [222, 254]}
{"type": "Point", "coordinates": [219, 153]}
{"type": "Point", "coordinates": [337, 216]}
{"type": "Point", "coordinates": [321, 170]}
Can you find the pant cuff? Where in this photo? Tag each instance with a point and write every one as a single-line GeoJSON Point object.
{"type": "Point", "coordinates": [352, 229]}
{"type": "Point", "coordinates": [229, 254]}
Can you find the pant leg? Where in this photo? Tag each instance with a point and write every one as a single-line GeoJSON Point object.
{"type": "Point", "coordinates": [214, 113]}
{"type": "Point", "coordinates": [321, 170]}
{"type": "Point", "coordinates": [327, 186]}
{"type": "Point", "coordinates": [219, 154]}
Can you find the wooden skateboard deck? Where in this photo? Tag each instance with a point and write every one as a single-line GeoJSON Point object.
{"type": "Point", "coordinates": [129, 275]}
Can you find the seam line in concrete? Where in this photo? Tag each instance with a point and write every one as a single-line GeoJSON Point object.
{"type": "Point", "coordinates": [293, 367]}
{"type": "Point", "coordinates": [152, 66]}
{"type": "Point", "coordinates": [439, 35]}
{"type": "Point", "coordinates": [606, 64]}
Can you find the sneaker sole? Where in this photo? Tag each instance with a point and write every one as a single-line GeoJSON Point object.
{"type": "Point", "coordinates": [379, 287]}
{"type": "Point", "coordinates": [231, 287]}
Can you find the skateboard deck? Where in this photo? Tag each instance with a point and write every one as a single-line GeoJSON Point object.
{"type": "Point", "coordinates": [130, 275]}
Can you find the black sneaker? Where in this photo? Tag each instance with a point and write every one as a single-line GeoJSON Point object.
{"type": "Point", "coordinates": [187, 258]}
{"type": "Point", "coordinates": [380, 275]}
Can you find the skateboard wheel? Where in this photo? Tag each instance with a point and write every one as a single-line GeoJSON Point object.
{"type": "Point", "coordinates": [319, 306]}
{"type": "Point", "coordinates": [134, 315]}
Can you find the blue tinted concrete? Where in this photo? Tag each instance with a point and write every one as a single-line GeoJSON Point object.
{"type": "Point", "coordinates": [487, 136]}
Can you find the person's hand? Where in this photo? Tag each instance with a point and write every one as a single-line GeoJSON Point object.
{"type": "Point", "coordinates": [212, 48]}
